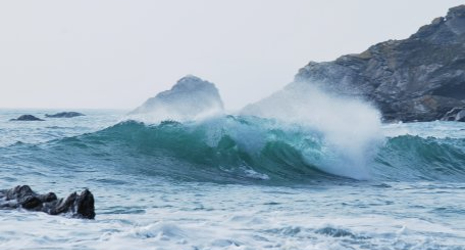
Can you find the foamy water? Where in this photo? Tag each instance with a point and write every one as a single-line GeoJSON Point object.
{"type": "Point", "coordinates": [222, 195]}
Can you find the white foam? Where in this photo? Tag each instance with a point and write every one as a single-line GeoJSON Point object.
{"type": "Point", "coordinates": [437, 129]}
{"type": "Point", "coordinates": [350, 127]}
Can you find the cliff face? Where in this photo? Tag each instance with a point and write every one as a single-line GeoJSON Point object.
{"type": "Point", "coordinates": [421, 78]}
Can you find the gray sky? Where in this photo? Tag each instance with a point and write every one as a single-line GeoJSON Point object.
{"type": "Point", "coordinates": [116, 54]}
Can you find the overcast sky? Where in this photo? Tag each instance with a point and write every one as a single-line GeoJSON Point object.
{"type": "Point", "coordinates": [116, 54]}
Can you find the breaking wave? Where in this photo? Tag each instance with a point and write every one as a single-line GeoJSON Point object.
{"type": "Point", "coordinates": [236, 149]}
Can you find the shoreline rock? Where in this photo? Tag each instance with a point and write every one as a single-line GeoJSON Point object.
{"type": "Point", "coordinates": [78, 205]}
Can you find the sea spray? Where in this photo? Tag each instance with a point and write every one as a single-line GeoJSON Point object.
{"type": "Point", "coordinates": [350, 127]}
{"type": "Point", "coordinates": [234, 149]}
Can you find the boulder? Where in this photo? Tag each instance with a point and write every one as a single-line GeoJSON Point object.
{"type": "Point", "coordinates": [27, 118]}
{"type": "Point", "coordinates": [77, 205]}
{"type": "Point", "coordinates": [64, 115]}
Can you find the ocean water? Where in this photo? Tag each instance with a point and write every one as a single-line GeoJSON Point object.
{"type": "Point", "coordinates": [234, 182]}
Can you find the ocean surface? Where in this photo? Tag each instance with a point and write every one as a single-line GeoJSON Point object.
{"type": "Point", "coordinates": [234, 182]}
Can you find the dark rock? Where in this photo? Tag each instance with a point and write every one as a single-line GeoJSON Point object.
{"type": "Point", "coordinates": [456, 114]}
{"type": "Point", "coordinates": [27, 118]}
{"type": "Point", "coordinates": [79, 206]}
{"type": "Point", "coordinates": [460, 117]}
{"type": "Point", "coordinates": [64, 115]}
{"type": "Point", "coordinates": [420, 78]}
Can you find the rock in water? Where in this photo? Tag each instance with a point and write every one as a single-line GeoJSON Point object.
{"type": "Point", "coordinates": [64, 115]}
{"type": "Point", "coordinates": [420, 78]}
{"type": "Point", "coordinates": [190, 98]}
{"type": "Point", "coordinates": [27, 118]}
{"type": "Point", "coordinates": [79, 206]}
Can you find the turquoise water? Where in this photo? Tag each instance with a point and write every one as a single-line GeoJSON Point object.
{"type": "Point", "coordinates": [232, 182]}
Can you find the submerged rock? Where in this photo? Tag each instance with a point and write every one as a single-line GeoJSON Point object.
{"type": "Point", "coordinates": [78, 205]}
{"type": "Point", "coordinates": [27, 118]}
{"type": "Point", "coordinates": [64, 115]}
{"type": "Point", "coordinates": [189, 98]}
{"type": "Point", "coordinates": [420, 78]}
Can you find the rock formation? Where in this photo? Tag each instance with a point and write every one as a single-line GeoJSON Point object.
{"type": "Point", "coordinates": [64, 115]}
{"type": "Point", "coordinates": [189, 98]}
{"type": "Point", "coordinates": [456, 114]}
{"type": "Point", "coordinates": [421, 78]}
{"type": "Point", "coordinates": [78, 206]}
{"type": "Point", "coordinates": [27, 118]}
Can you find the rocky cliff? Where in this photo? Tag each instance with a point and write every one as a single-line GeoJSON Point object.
{"type": "Point", "coordinates": [421, 78]}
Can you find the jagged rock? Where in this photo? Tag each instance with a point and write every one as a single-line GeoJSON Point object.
{"type": "Point", "coordinates": [27, 118]}
{"type": "Point", "coordinates": [189, 98]}
{"type": "Point", "coordinates": [420, 78]}
{"type": "Point", "coordinates": [79, 206]}
{"type": "Point", "coordinates": [64, 115]}
{"type": "Point", "coordinates": [456, 114]}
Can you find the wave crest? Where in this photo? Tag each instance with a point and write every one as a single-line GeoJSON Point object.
{"type": "Point", "coordinates": [236, 149]}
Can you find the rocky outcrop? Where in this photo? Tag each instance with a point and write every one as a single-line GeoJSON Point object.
{"type": "Point", "coordinates": [64, 115]}
{"type": "Point", "coordinates": [188, 99]}
{"type": "Point", "coordinates": [77, 205]}
{"type": "Point", "coordinates": [421, 78]}
{"type": "Point", "coordinates": [27, 118]}
{"type": "Point", "coordinates": [456, 114]}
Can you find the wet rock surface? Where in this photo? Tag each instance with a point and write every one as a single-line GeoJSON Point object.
{"type": "Point", "coordinates": [77, 205]}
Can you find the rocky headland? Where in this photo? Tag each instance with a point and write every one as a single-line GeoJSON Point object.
{"type": "Point", "coordinates": [421, 78]}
